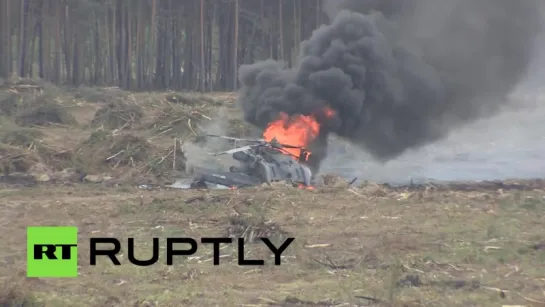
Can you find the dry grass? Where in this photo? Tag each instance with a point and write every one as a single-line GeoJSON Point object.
{"type": "Point", "coordinates": [16, 160]}
{"type": "Point", "coordinates": [118, 115]}
{"type": "Point", "coordinates": [114, 150]}
{"type": "Point", "coordinates": [102, 131]}
{"type": "Point", "coordinates": [42, 109]}
{"type": "Point", "coordinates": [174, 120]}
{"type": "Point", "coordinates": [398, 248]}
{"type": "Point", "coordinates": [17, 293]}
{"type": "Point", "coordinates": [20, 136]}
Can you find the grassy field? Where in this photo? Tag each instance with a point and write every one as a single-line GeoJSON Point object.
{"type": "Point", "coordinates": [412, 248]}
{"type": "Point", "coordinates": [354, 245]}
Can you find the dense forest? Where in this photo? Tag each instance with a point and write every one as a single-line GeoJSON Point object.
{"type": "Point", "coordinates": [149, 44]}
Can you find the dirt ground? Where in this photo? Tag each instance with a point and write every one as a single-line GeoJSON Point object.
{"type": "Point", "coordinates": [368, 245]}
{"type": "Point", "coordinates": [399, 248]}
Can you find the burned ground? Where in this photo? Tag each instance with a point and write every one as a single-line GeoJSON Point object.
{"type": "Point", "coordinates": [457, 245]}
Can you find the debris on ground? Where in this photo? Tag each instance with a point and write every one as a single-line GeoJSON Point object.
{"type": "Point", "coordinates": [15, 159]}
{"type": "Point", "coordinates": [292, 301]}
{"type": "Point", "coordinates": [331, 180]}
{"type": "Point", "coordinates": [43, 110]}
{"type": "Point", "coordinates": [14, 135]}
{"type": "Point", "coordinates": [119, 115]}
{"type": "Point", "coordinates": [238, 128]}
{"type": "Point", "coordinates": [252, 229]}
{"type": "Point", "coordinates": [105, 149]}
{"type": "Point", "coordinates": [27, 85]}
{"type": "Point", "coordinates": [179, 122]}
{"type": "Point", "coordinates": [100, 95]}
{"type": "Point", "coordinates": [192, 99]}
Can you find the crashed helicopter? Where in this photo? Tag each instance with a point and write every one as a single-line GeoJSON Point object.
{"type": "Point", "coordinates": [281, 155]}
{"type": "Point", "coordinates": [259, 162]}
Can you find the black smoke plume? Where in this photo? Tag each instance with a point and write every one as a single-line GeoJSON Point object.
{"type": "Point", "coordinates": [398, 76]}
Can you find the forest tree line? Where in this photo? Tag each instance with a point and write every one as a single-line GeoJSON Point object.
{"type": "Point", "coordinates": [149, 44]}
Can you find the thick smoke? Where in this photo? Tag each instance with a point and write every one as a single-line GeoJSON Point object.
{"type": "Point", "coordinates": [399, 76]}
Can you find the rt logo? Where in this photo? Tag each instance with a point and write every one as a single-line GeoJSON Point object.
{"type": "Point", "coordinates": [52, 252]}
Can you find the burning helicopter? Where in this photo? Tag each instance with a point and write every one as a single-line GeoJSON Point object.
{"type": "Point", "coordinates": [281, 155]}
{"type": "Point", "coordinates": [259, 162]}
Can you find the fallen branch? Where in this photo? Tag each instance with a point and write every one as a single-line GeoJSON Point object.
{"type": "Point", "coordinates": [113, 156]}
{"type": "Point", "coordinates": [191, 128]}
{"type": "Point", "coordinates": [160, 159]}
{"type": "Point", "coordinates": [14, 156]}
{"type": "Point", "coordinates": [330, 264]}
{"type": "Point", "coordinates": [174, 159]}
{"type": "Point", "coordinates": [317, 245]}
{"type": "Point", "coordinates": [120, 128]}
{"type": "Point", "coordinates": [164, 157]}
{"type": "Point", "coordinates": [354, 192]}
{"type": "Point", "coordinates": [530, 299]}
{"type": "Point", "coordinates": [177, 120]}
{"type": "Point", "coordinates": [162, 132]}
{"type": "Point", "coordinates": [199, 113]}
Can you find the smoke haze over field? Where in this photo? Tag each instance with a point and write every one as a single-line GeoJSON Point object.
{"type": "Point", "coordinates": [402, 74]}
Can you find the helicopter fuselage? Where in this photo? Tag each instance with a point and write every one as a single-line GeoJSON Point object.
{"type": "Point", "coordinates": [271, 164]}
{"type": "Point", "coordinates": [261, 164]}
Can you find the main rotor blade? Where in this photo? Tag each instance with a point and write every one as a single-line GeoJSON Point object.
{"type": "Point", "coordinates": [234, 139]}
{"type": "Point", "coordinates": [230, 151]}
{"type": "Point", "coordinates": [292, 146]}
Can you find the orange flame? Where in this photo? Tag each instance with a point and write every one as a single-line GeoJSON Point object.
{"type": "Point", "coordinates": [302, 186]}
{"type": "Point", "coordinates": [298, 130]}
